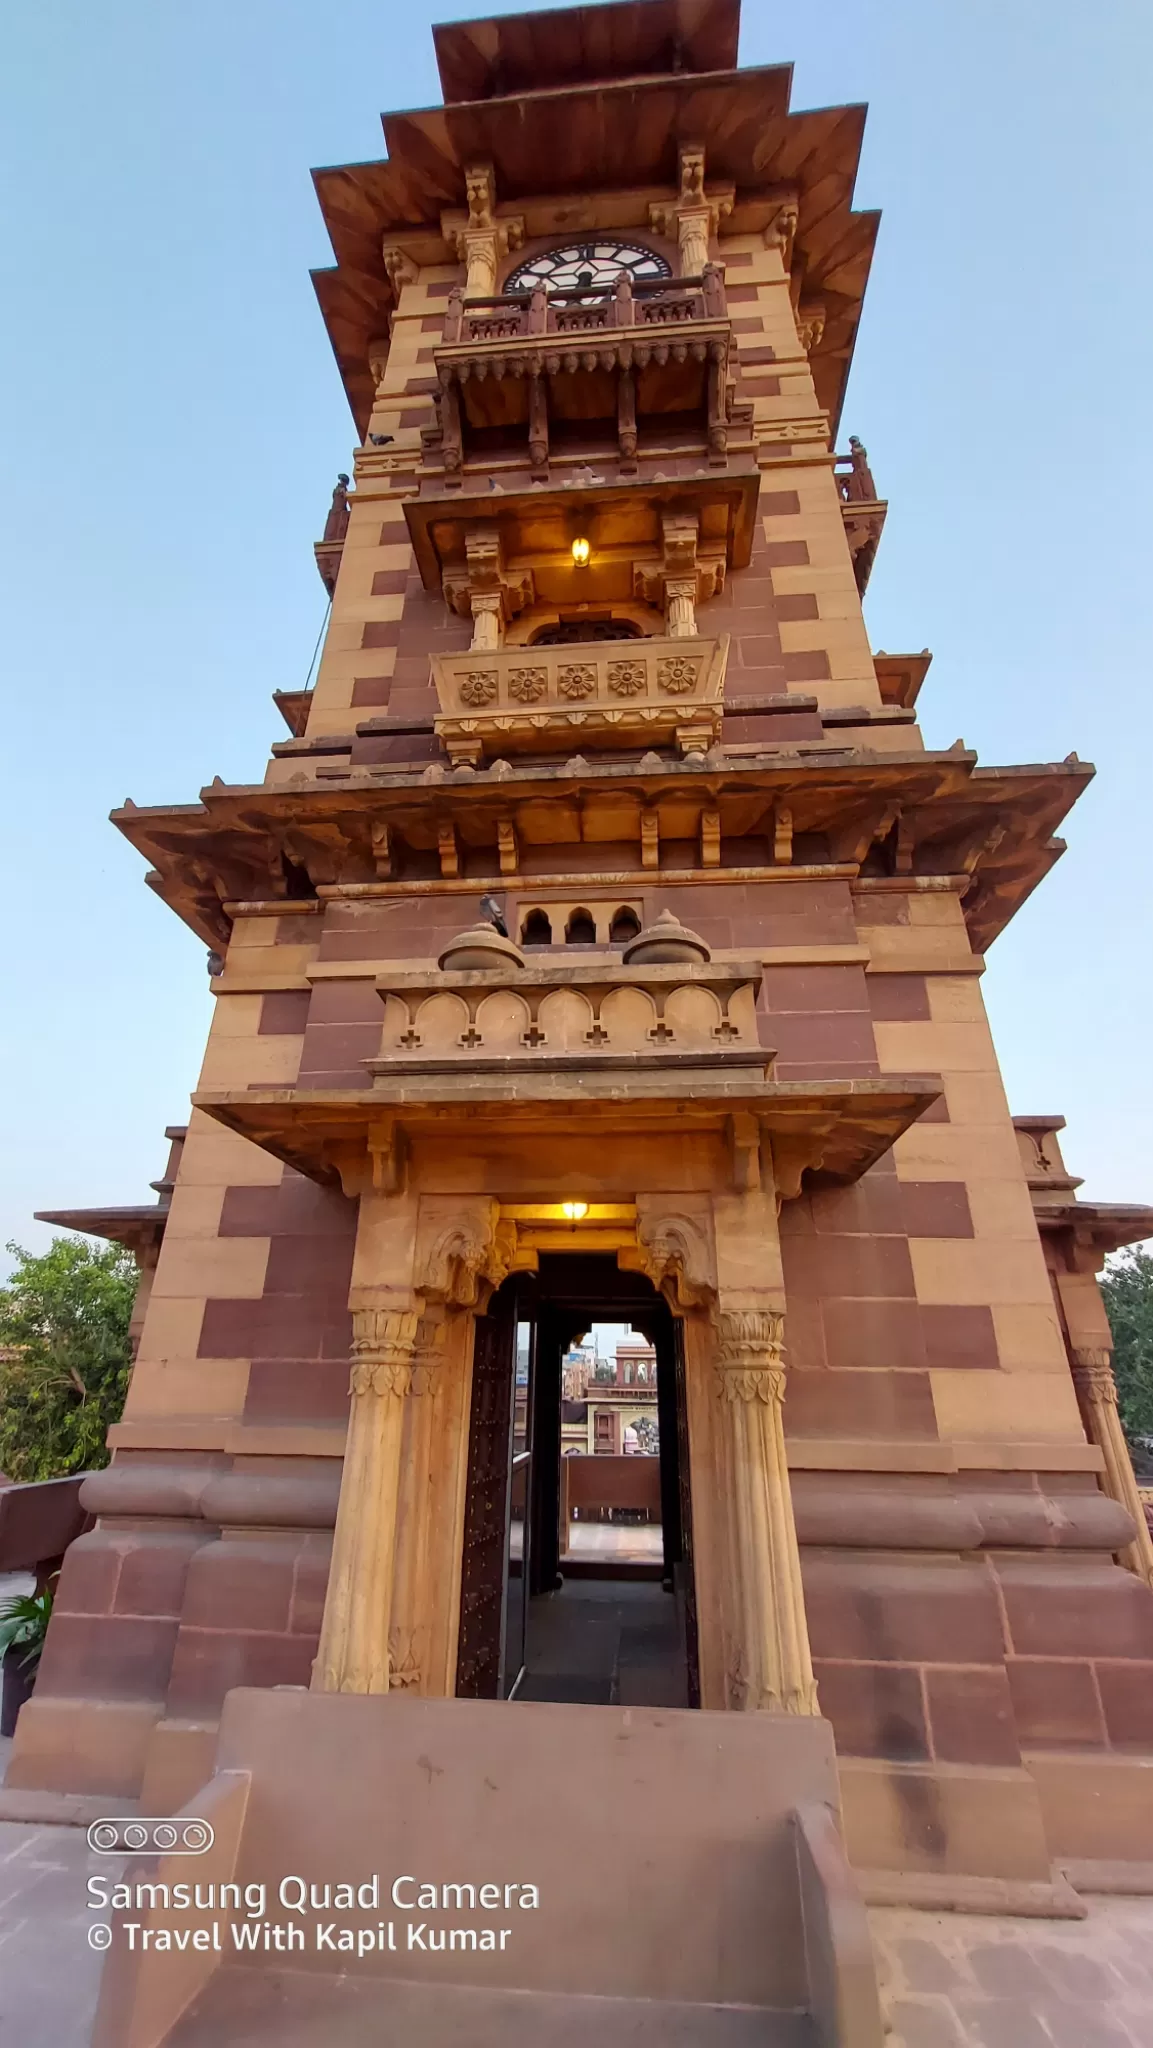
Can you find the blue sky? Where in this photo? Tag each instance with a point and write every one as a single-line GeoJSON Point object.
{"type": "Point", "coordinates": [175, 423]}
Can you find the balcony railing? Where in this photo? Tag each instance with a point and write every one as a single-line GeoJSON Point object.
{"type": "Point", "coordinates": [550, 699]}
{"type": "Point", "coordinates": [656, 347]}
{"type": "Point", "coordinates": [648, 302]}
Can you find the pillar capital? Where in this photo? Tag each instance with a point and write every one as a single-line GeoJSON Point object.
{"type": "Point", "coordinates": [1093, 1375]}
{"type": "Point", "coordinates": [693, 218]}
{"type": "Point", "coordinates": [383, 1342]}
{"type": "Point", "coordinates": [750, 1355]}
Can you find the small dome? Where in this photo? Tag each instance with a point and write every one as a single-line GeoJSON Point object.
{"type": "Point", "coordinates": [666, 941]}
{"type": "Point", "coordinates": [480, 947]}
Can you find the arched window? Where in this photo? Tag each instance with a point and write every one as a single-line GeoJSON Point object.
{"type": "Point", "coordinates": [536, 929]}
{"type": "Point", "coordinates": [625, 926]}
{"type": "Point", "coordinates": [581, 929]}
{"type": "Point", "coordinates": [567, 632]}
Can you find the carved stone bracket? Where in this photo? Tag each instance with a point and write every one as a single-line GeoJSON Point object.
{"type": "Point", "coordinates": [693, 218]}
{"type": "Point", "coordinates": [810, 325]}
{"type": "Point", "coordinates": [781, 232]}
{"type": "Point", "coordinates": [479, 238]}
{"type": "Point", "coordinates": [1096, 1391]}
{"type": "Point", "coordinates": [484, 590]}
{"type": "Point", "coordinates": [680, 579]}
{"type": "Point", "coordinates": [463, 1250]}
{"type": "Point", "coordinates": [674, 1249]}
{"type": "Point", "coordinates": [399, 267]}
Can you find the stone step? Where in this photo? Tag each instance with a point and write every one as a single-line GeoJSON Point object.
{"type": "Point", "coordinates": [250, 2008]}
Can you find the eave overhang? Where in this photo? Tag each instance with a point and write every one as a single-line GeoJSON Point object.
{"type": "Point", "coordinates": [565, 46]}
{"type": "Point", "coordinates": [138, 1228]}
{"type": "Point", "coordinates": [1106, 1226]}
{"type": "Point", "coordinates": [621, 136]}
{"type": "Point", "coordinates": [991, 827]}
{"type": "Point", "coordinates": [357, 1137]}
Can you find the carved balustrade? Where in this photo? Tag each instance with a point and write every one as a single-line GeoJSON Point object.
{"type": "Point", "coordinates": [497, 701]}
{"type": "Point", "coordinates": [598, 1012]}
{"type": "Point", "coordinates": [663, 345]}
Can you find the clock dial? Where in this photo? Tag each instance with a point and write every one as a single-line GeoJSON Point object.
{"type": "Point", "coordinates": [592, 266]}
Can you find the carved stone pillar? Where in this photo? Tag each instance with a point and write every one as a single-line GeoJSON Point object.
{"type": "Point", "coordinates": [407, 1635]}
{"type": "Point", "coordinates": [681, 608]}
{"type": "Point", "coordinates": [1097, 1394]}
{"type": "Point", "coordinates": [487, 619]}
{"type": "Point", "coordinates": [770, 1665]}
{"type": "Point", "coordinates": [353, 1655]}
{"type": "Point", "coordinates": [478, 237]}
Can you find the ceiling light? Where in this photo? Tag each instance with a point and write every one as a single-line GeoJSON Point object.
{"type": "Point", "coordinates": [581, 552]}
{"type": "Point", "coordinates": [574, 1210]}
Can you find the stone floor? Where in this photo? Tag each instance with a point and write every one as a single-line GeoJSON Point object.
{"type": "Point", "coordinates": [624, 1543]}
{"type": "Point", "coordinates": [48, 1973]}
{"type": "Point", "coordinates": [963, 1980]}
{"type": "Point", "coordinates": [605, 1642]}
{"type": "Point", "coordinates": [949, 1980]}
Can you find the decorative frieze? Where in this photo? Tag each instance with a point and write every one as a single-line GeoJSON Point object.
{"type": "Point", "coordinates": [495, 701]}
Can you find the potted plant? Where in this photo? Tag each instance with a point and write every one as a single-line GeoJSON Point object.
{"type": "Point", "coordinates": [23, 1627]}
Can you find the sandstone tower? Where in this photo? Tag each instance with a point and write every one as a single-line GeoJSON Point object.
{"type": "Point", "coordinates": [605, 940]}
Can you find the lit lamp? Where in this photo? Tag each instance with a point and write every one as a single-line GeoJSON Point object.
{"type": "Point", "coordinates": [581, 552]}
{"type": "Point", "coordinates": [574, 1211]}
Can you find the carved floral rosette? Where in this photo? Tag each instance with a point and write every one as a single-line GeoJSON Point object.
{"type": "Point", "coordinates": [577, 679]}
{"type": "Point", "coordinates": [678, 674]}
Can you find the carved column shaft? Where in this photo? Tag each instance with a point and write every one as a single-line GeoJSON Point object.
{"type": "Point", "coordinates": [487, 619]}
{"type": "Point", "coordinates": [1097, 1395]}
{"type": "Point", "coordinates": [681, 608]}
{"type": "Point", "coordinates": [771, 1667]}
{"type": "Point", "coordinates": [353, 1654]}
{"type": "Point", "coordinates": [408, 1630]}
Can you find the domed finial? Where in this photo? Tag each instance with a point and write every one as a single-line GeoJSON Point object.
{"type": "Point", "coordinates": [664, 942]}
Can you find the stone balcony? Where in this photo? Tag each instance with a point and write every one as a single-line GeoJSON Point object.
{"type": "Point", "coordinates": [500, 701]}
{"type": "Point", "coordinates": [517, 363]}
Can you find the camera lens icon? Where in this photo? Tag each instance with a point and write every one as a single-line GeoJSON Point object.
{"type": "Point", "coordinates": [124, 1835]}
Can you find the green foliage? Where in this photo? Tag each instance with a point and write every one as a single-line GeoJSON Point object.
{"type": "Point", "coordinates": [24, 1625]}
{"type": "Point", "coordinates": [1127, 1285]}
{"type": "Point", "coordinates": [65, 1357]}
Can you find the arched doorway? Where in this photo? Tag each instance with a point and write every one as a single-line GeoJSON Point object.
{"type": "Point", "coordinates": [537, 1620]}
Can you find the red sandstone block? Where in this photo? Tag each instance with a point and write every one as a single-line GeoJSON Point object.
{"type": "Point", "coordinates": [390, 582]}
{"type": "Point", "coordinates": [209, 1663]}
{"type": "Point", "coordinates": [155, 1572]}
{"type": "Point", "coordinates": [898, 998]}
{"type": "Point", "coordinates": [833, 1040]}
{"type": "Point", "coordinates": [283, 1012]}
{"type": "Point", "coordinates": [293, 931]}
{"type": "Point", "coordinates": [804, 1332]}
{"type": "Point", "coordinates": [859, 1265]}
{"type": "Point", "coordinates": [872, 1335]}
{"type": "Point", "coordinates": [810, 666]}
{"type": "Point", "coordinates": [300, 1389]}
{"type": "Point", "coordinates": [380, 633]}
{"type": "Point", "coordinates": [962, 1336]}
{"type": "Point", "coordinates": [896, 1611]}
{"type": "Point", "coordinates": [798, 604]}
{"type": "Point", "coordinates": [875, 1709]}
{"type": "Point", "coordinates": [814, 988]}
{"type": "Point", "coordinates": [871, 1204]}
{"type": "Point", "coordinates": [370, 692]}
{"type": "Point", "coordinates": [310, 1585]}
{"type": "Point", "coordinates": [1055, 1703]}
{"type": "Point", "coordinates": [1127, 1697]}
{"type": "Point", "coordinates": [320, 1267]}
{"type": "Point", "coordinates": [786, 554]}
{"type": "Point", "coordinates": [861, 1404]}
{"type": "Point", "coordinates": [936, 1208]}
{"type": "Point", "coordinates": [87, 1582]}
{"type": "Point", "coordinates": [882, 906]}
{"type": "Point", "coordinates": [740, 294]}
{"type": "Point", "coordinates": [778, 504]}
{"type": "Point", "coordinates": [971, 1716]}
{"type": "Point", "coordinates": [298, 1207]}
{"type": "Point", "coordinates": [106, 1656]}
{"type": "Point", "coordinates": [242, 1583]}
{"type": "Point", "coordinates": [1053, 1603]}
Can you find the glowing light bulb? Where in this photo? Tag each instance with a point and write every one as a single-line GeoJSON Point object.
{"type": "Point", "coordinates": [580, 553]}
{"type": "Point", "coordinates": [575, 1210]}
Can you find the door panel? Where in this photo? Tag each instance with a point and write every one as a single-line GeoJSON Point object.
{"type": "Point", "coordinates": [684, 1576]}
{"type": "Point", "coordinates": [480, 1651]}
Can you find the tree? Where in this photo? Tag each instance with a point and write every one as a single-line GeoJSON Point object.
{"type": "Point", "coordinates": [65, 1356]}
{"type": "Point", "coordinates": [1127, 1287]}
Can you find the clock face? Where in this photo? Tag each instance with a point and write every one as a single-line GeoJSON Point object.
{"type": "Point", "coordinates": [593, 266]}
